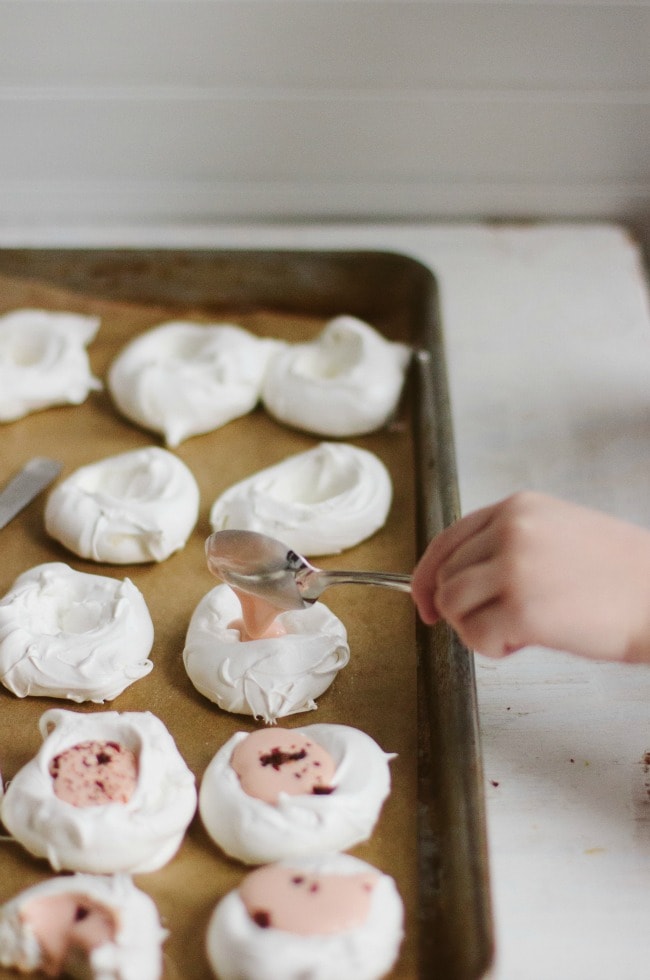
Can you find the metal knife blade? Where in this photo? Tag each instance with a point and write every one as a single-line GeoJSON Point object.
{"type": "Point", "coordinates": [27, 484]}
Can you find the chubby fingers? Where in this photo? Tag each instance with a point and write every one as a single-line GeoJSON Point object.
{"type": "Point", "coordinates": [472, 594]}
{"type": "Point", "coordinates": [458, 546]}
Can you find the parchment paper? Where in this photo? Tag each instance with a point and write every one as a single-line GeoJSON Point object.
{"type": "Point", "coordinates": [376, 691]}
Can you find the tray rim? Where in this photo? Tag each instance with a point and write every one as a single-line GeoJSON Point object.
{"type": "Point", "coordinates": [443, 661]}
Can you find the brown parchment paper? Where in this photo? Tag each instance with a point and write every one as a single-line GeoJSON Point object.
{"type": "Point", "coordinates": [376, 692]}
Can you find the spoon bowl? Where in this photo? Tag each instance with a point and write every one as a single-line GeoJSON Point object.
{"type": "Point", "coordinates": [264, 567]}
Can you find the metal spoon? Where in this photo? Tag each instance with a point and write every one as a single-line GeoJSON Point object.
{"type": "Point", "coordinates": [264, 567]}
{"type": "Point", "coordinates": [34, 477]}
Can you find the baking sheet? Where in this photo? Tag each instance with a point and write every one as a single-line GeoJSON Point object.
{"type": "Point", "coordinates": [410, 688]}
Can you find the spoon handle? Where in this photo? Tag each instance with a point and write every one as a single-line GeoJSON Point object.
{"type": "Point", "coordinates": [315, 584]}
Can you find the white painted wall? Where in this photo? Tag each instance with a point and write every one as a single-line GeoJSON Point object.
{"type": "Point", "coordinates": [186, 110]}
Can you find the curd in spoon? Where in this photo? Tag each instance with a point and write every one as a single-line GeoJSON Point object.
{"type": "Point", "coordinates": [260, 566]}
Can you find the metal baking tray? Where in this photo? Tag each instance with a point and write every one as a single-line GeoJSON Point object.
{"type": "Point", "coordinates": [410, 687]}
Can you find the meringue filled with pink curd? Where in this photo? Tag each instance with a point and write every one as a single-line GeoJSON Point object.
{"type": "Point", "coordinates": [101, 927]}
{"type": "Point", "coordinates": [280, 793]}
{"type": "Point", "coordinates": [318, 917]}
{"type": "Point", "coordinates": [269, 667]}
{"type": "Point", "coordinates": [105, 793]}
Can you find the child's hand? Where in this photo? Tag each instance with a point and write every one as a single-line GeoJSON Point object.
{"type": "Point", "coordinates": [536, 570]}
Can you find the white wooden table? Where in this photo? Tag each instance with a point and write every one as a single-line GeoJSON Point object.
{"type": "Point", "coordinates": [548, 347]}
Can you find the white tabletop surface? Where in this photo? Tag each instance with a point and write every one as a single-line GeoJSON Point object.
{"type": "Point", "coordinates": [548, 347]}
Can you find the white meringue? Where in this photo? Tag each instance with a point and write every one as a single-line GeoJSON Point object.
{"type": "Point", "coordinates": [238, 947]}
{"type": "Point", "coordinates": [135, 953]}
{"type": "Point", "coordinates": [138, 506]}
{"type": "Point", "coordinates": [268, 678]}
{"type": "Point", "coordinates": [43, 361]}
{"type": "Point", "coordinates": [317, 502]}
{"type": "Point", "coordinates": [140, 835]}
{"type": "Point", "coordinates": [347, 382]}
{"type": "Point", "coordinates": [255, 832]}
{"type": "Point", "coordinates": [182, 379]}
{"type": "Point", "coordinates": [70, 634]}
